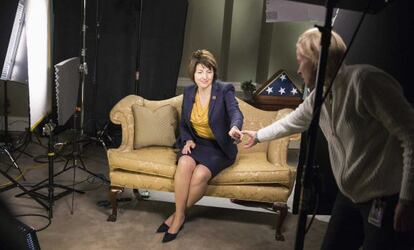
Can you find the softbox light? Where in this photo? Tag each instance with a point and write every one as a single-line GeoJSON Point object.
{"type": "Point", "coordinates": [28, 57]}
{"type": "Point", "coordinates": [15, 62]}
{"type": "Point", "coordinates": [67, 87]}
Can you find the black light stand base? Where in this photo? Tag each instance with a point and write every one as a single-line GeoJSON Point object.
{"type": "Point", "coordinates": [75, 158]}
{"type": "Point", "coordinates": [51, 197]}
{"type": "Point", "coordinates": [18, 185]}
{"type": "Point", "coordinates": [34, 191]}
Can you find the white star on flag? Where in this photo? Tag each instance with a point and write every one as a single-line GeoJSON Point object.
{"type": "Point", "coordinates": [294, 91]}
{"type": "Point", "coordinates": [269, 90]}
{"type": "Point", "coordinates": [283, 77]}
{"type": "Point", "coordinates": [282, 91]}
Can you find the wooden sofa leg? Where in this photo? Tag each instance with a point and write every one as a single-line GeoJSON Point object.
{"type": "Point", "coordinates": [113, 193]}
{"type": "Point", "coordinates": [137, 194]}
{"type": "Point", "coordinates": [281, 209]}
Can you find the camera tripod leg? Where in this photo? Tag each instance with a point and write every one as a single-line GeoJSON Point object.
{"type": "Point", "coordinates": [50, 185]}
{"type": "Point", "coordinates": [58, 173]}
{"type": "Point", "coordinates": [17, 184]}
{"type": "Point", "coordinates": [13, 161]}
{"type": "Point", "coordinates": [83, 167]}
{"type": "Point", "coordinates": [73, 186]}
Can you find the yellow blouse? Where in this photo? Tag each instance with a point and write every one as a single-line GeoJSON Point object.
{"type": "Point", "coordinates": [199, 119]}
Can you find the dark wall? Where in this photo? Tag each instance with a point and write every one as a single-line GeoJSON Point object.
{"type": "Point", "coordinates": [383, 40]}
{"type": "Point", "coordinates": [114, 50]}
{"type": "Point", "coordinates": [7, 13]}
{"type": "Point", "coordinates": [162, 33]}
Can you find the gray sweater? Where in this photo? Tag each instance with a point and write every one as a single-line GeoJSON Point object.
{"type": "Point", "coordinates": [369, 126]}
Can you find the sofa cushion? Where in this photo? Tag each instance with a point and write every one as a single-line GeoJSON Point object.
{"type": "Point", "coordinates": [253, 168]}
{"type": "Point", "coordinates": [249, 168]}
{"type": "Point", "coordinates": [158, 161]}
{"type": "Point", "coordinates": [154, 127]}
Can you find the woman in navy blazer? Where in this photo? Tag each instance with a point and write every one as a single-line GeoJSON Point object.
{"type": "Point", "coordinates": [209, 131]}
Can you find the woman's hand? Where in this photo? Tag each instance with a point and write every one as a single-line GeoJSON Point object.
{"type": "Point", "coordinates": [187, 147]}
{"type": "Point", "coordinates": [236, 134]}
{"type": "Point", "coordinates": [252, 138]}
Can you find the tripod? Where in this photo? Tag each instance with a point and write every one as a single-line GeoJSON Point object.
{"type": "Point", "coordinates": [15, 183]}
{"type": "Point", "coordinates": [25, 139]}
{"type": "Point", "coordinates": [100, 135]}
{"type": "Point", "coordinates": [310, 174]}
{"type": "Point", "coordinates": [79, 111]}
{"type": "Point", "coordinates": [7, 148]}
{"type": "Point", "coordinates": [50, 185]}
{"type": "Point", "coordinates": [83, 68]}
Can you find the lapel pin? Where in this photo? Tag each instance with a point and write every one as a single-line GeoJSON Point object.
{"type": "Point", "coordinates": [214, 97]}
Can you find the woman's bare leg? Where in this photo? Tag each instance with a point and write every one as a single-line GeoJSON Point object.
{"type": "Point", "coordinates": [198, 184]}
{"type": "Point", "coordinates": [182, 179]}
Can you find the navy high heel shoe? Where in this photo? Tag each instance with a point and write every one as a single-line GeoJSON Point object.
{"type": "Point", "coordinates": [170, 237]}
{"type": "Point", "coordinates": [163, 228]}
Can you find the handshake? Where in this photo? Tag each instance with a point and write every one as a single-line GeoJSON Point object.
{"type": "Point", "coordinates": [237, 136]}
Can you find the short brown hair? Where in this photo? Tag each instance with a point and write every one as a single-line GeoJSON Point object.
{"type": "Point", "coordinates": [205, 58]}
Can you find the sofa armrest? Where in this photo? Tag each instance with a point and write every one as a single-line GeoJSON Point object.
{"type": "Point", "coordinates": [277, 151]}
{"type": "Point", "coordinates": [122, 114]}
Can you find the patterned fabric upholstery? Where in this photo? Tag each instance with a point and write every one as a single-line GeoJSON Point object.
{"type": "Point", "coordinates": [259, 174]}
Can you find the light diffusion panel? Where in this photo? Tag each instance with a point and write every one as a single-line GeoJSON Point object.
{"type": "Point", "coordinates": [67, 87]}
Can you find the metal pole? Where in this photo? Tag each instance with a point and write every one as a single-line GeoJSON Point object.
{"type": "Point", "coordinates": [83, 67]}
{"type": "Point", "coordinates": [6, 113]}
{"type": "Point", "coordinates": [306, 191]}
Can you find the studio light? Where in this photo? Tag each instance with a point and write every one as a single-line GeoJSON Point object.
{"type": "Point", "coordinates": [28, 58]}
{"type": "Point", "coordinates": [38, 34]}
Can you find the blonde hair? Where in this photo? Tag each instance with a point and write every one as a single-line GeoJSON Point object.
{"type": "Point", "coordinates": [205, 58]}
{"type": "Point", "coordinates": [308, 45]}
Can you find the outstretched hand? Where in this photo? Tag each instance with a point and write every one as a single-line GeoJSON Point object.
{"type": "Point", "coordinates": [251, 141]}
{"type": "Point", "coordinates": [236, 134]}
{"type": "Point", "coordinates": [187, 147]}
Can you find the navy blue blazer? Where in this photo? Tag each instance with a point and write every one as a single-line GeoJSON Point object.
{"type": "Point", "coordinates": [223, 114]}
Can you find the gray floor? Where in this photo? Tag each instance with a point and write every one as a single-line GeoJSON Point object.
{"type": "Point", "coordinates": [214, 223]}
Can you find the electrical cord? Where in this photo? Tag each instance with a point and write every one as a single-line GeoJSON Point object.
{"type": "Point", "coordinates": [37, 215]}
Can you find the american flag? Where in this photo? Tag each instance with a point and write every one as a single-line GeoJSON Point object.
{"type": "Point", "coordinates": [281, 86]}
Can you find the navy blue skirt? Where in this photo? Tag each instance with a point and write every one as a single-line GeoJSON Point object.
{"type": "Point", "coordinates": [208, 153]}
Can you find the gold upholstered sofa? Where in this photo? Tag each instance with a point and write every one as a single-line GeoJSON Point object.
{"type": "Point", "coordinates": [260, 174]}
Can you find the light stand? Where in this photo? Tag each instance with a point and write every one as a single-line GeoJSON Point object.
{"type": "Point", "coordinates": [306, 192]}
{"type": "Point", "coordinates": [66, 73]}
{"type": "Point", "coordinates": [309, 170]}
{"type": "Point", "coordinates": [25, 139]}
{"type": "Point", "coordinates": [8, 146]}
{"type": "Point", "coordinates": [100, 135]}
{"type": "Point", "coordinates": [79, 111]}
{"type": "Point", "coordinates": [6, 137]}
{"type": "Point", "coordinates": [50, 185]}
{"type": "Point", "coordinates": [17, 184]}
{"type": "Point", "coordinates": [76, 157]}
